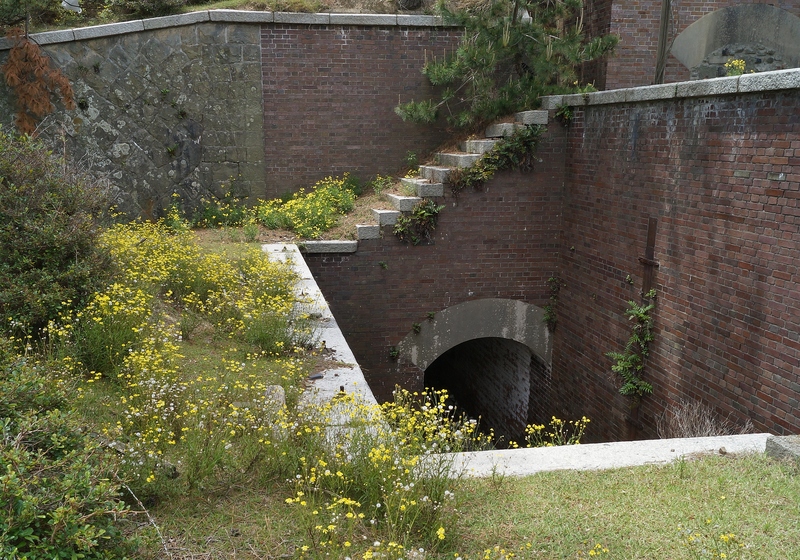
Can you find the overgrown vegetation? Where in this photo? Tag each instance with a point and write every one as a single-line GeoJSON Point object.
{"type": "Point", "coordinates": [420, 224]}
{"type": "Point", "coordinates": [513, 52]}
{"type": "Point", "coordinates": [629, 364]}
{"type": "Point", "coordinates": [511, 152]}
{"type": "Point", "coordinates": [554, 285]}
{"type": "Point", "coordinates": [59, 490]}
{"type": "Point", "coordinates": [49, 219]}
{"type": "Point", "coordinates": [310, 214]}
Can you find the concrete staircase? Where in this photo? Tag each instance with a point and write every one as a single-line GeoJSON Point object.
{"type": "Point", "coordinates": [430, 183]}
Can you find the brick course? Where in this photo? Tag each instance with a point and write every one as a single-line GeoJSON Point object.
{"type": "Point", "coordinates": [329, 99]}
{"type": "Point", "coordinates": [728, 318]}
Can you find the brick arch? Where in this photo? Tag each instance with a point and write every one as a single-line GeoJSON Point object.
{"type": "Point", "coordinates": [743, 23]}
{"type": "Point", "coordinates": [482, 318]}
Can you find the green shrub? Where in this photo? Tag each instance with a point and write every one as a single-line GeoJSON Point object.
{"type": "Point", "coordinates": [146, 7]}
{"type": "Point", "coordinates": [58, 488]}
{"type": "Point", "coordinates": [49, 215]}
{"type": "Point", "coordinates": [225, 211]}
{"type": "Point", "coordinates": [311, 214]}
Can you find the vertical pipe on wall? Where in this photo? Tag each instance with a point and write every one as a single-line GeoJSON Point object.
{"type": "Point", "coordinates": [663, 31]}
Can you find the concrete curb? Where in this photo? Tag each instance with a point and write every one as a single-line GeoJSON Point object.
{"type": "Point", "coordinates": [599, 456]}
{"type": "Point", "coordinates": [347, 374]}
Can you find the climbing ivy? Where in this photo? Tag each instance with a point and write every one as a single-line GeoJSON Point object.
{"type": "Point", "coordinates": [511, 152]}
{"type": "Point", "coordinates": [629, 363]}
{"type": "Point", "coordinates": [554, 283]}
{"type": "Point", "coordinates": [418, 226]}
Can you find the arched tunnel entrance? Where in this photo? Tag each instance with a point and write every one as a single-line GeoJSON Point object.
{"type": "Point", "coordinates": [493, 356]}
{"type": "Point", "coordinates": [499, 380]}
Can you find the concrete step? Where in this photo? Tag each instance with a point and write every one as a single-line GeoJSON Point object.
{"type": "Point", "coordinates": [368, 231]}
{"type": "Point", "coordinates": [501, 130]}
{"type": "Point", "coordinates": [531, 117]}
{"type": "Point", "coordinates": [477, 146]}
{"type": "Point", "coordinates": [423, 187]}
{"type": "Point", "coordinates": [435, 173]}
{"type": "Point", "coordinates": [386, 217]}
{"type": "Point", "coordinates": [457, 159]}
{"type": "Point", "coordinates": [403, 203]}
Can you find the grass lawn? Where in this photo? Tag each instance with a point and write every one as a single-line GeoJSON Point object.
{"type": "Point", "coordinates": [642, 512]}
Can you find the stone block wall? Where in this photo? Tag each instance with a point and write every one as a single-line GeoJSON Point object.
{"type": "Point", "coordinates": [720, 175]}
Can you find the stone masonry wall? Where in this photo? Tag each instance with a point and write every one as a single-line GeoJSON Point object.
{"type": "Point", "coordinates": [636, 22]}
{"type": "Point", "coordinates": [177, 104]}
{"type": "Point", "coordinates": [720, 175]}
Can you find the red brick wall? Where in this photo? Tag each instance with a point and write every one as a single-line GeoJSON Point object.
{"type": "Point", "coordinates": [329, 98]}
{"type": "Point", "coordinates": [636, 22]}
{"type": "Point", "coordinates": [728, 315]}
{"type": "Point", "coordinates": [499, 243]}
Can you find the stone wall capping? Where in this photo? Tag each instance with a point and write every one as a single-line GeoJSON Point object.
{"type": "Point", "coordinates": [606, 97]}
{"type": "Point", "coordinates": [176, 20]}
{"type": "Point", "coordinates": [363, 19]}
{"type": "Point", "coordinates": [574, 99]}
{"type": "Point", "coordinates": [108, 29]}
{"type": "Point", "coordinates": [328, 246]}
{"type": "Point", "coordinates": [307, 19]}
{"type": "Point", "coordinates": [413, 20]}
{"type": "Point", "coordinates": [551, 102]}
{"type": "Point", "coordinates": [704, 88]}
{"type": "Point", "coordinates": [649, 93]}
{"type": "Point", "coordinates": [50, 37]}
{"type": "Point", "coordinates": [776, 80]}
{"type": "Point", "coordinates": [241, 16]}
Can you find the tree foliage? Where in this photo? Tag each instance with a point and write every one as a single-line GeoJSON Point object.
{"type": "Point", "coordinates": [513, 52]}
{"type": "Point", "coordinates": [34, 81]}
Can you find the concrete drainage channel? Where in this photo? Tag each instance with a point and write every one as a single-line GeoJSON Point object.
{"type": "Point", "coordinates": [347, 375]}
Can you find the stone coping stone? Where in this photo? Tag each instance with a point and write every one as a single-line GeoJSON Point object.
{"type": "Point", "coordinates": [231, 16]}
{"type": "Point", "coordinates": [241, 16]}
{"type": "Point", "coordinates": [703, 88]}
{"type": "Point", "coordinates": [746, 83]}
{"type": "Point", "coordinates": [600, 456]}
{"type": "Point", "coordinates": [343, 246]}
{"type": "Point", "coordinates": [306, 19]}
{"type": "Point", "coordinates": [783, 447]}
{"type": "Point", "coordinates": [413, 20]}
{"type": "Point", "coordinates": [363, 19]}
{"type": "Point", "coordinates": [176, 20]}
{"type": "Point", "coordinates": [531, 117]}
{"type": "Point", "coordinates": [108, 29]}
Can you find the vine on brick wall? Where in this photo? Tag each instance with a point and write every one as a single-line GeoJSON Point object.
{"type": "Point", "coordinates": [34, 80]}
{"type": "Point", "coordinates": [511, 152]}
{"type": "Point", "coordinates": [629, 364]}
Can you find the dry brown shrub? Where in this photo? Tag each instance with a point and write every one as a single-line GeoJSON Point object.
{"type": "Point", "coordinates": [695, 419]}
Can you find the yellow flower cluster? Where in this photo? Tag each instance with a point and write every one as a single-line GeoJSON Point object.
{"type": "Point", "coordinates": [559, 432]}
{"type": "Point", "coordinates": [309, 214]}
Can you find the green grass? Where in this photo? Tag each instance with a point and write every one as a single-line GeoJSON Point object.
{"type": "Point", "coordinates": [638, 512]}
{"type": "Point", "coordinates": [634, 512]}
